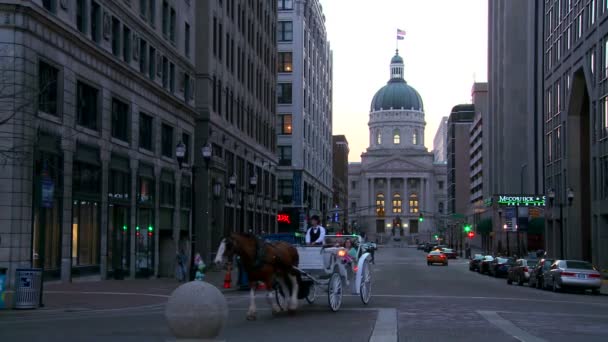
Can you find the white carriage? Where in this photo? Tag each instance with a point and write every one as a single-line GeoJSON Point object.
{"type": "Point", "coordinates": [333, 268]}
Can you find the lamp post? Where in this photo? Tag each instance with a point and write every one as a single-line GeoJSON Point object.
{"type": "Point", "coordinates": [570, 198]}
{"type": "Point", "coordinates": [197, 227]}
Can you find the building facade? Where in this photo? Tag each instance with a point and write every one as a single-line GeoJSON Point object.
{"type": "Point", "coordinates": [440, 141]}
{"type": "Point", "coordinates": [304, 107]}
{"type": "Point", "coordinates": [459, 125]}
{"type": "Point", "coordinates": [340, 153]}
{"type": "Point", "coordinates": [397, 188]}
{"type": "Point", "coordinates": [575, 135]}
{"type": "Point", "coordinates": [100, 93]}
{"type": "Point", "coordinates": [235, 159]}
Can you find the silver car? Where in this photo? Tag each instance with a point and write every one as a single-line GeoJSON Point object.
{"type": "Point", "coordinates": [575, 274]}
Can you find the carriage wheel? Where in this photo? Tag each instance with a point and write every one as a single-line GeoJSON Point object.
{"type": "Point", "coordinates": [280, 297]}
{"type": "Point", "coordinates": [366, 283]}
{"type": "Point", "coordinates": [312, 293]}
{"type": "Point", "coordinates": [334, 291]}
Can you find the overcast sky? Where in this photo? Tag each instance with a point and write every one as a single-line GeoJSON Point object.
{"type": "Point", "coordinates": [444, 50]}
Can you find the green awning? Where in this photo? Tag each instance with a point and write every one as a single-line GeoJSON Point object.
{"type": "Point", "coordinates": [536, 226]}
{"type": "Point", "coordinates": [484, 226]}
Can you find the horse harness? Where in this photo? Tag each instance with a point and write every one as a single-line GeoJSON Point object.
{"type": "Point", "coordinates": [260, 253]}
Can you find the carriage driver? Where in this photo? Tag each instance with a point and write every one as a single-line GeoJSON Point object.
{"type": "Point", "coordinates": [316, 233]}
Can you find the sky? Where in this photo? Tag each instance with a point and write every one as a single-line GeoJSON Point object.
{"type": "Point", "coordinates": [444, 51]}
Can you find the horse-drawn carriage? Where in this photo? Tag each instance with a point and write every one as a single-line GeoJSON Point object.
{"type": "Point", "coordinates": [332, 267]}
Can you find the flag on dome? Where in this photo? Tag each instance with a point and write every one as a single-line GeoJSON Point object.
{"type": "Point", "coordinates": [400, 34]}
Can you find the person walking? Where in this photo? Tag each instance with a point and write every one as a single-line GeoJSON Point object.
{"type": "Point", "coordinates": [181, 266]}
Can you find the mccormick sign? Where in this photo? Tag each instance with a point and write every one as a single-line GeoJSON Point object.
{"type": "Point", "coordinates": [526, 200]}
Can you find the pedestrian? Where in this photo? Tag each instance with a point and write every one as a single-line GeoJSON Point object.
{"type": "Point", "coordinates": [181, 266]}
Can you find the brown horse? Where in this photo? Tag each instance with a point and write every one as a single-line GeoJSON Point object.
{"type": "Point", "coordinates": [264, 262]}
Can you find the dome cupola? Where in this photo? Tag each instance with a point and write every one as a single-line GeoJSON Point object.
{"type": "Point", "coordinates": [397, 94]}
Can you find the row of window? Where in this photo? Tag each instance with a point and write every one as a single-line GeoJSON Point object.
{"type": "Point", "coordinates": [89, 114]}
{"type": "Point", "coordinates": [397, 203]}
{"type": "Point", "coordinates": [397, 137]}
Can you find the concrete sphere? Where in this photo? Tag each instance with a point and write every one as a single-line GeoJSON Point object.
{"type": "Point", "coordinates": [196, 310]}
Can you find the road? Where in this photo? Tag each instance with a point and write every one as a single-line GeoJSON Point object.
{"type": "Point", "coordinates": [411, 300]}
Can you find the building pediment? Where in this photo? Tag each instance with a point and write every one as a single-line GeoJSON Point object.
{"type": "Point", "coordinates": [400, 164]}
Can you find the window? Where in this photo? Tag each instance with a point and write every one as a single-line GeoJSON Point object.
{"type": "Point", "coordinates": [172, 25]}
{"type": "Point", "coordinates": [120, 120]}
{"type": "Point", "coordinates": [86, 105]}
{"type": "Point", "coordinates": [165, 18]}
{"type": "Point", "coordinates": [50, 5]}
{"type": "Point", "coordinates": [284, 155]}
{"type": "Point", "coordinates": [285, 190]}
{"type": "Point", "coordinates": [165, 72]}
{"type": "Point", "coordinates": [146, 131]}
{"type": "Point", "coordinates": [172, 77]}
{"type": "Point", "coordinates": [397, 204]}
{"type": "Point", "coordinates": [143, 53]}
{"type": "Point", "coordinates": [284, 93]}
{"type": "Point", "coordinates": [379, 137]}
{"type": "Point", "coordinates": [126, 44]}
{"type": "Point", "coordinates": [152, 64]}
{"type": "Point", "coordinates": [95, 22]}
{"type": "Point", "coordinates": [440, 206]}
{"type": "Point", "coordinates": [81, 15]}
{"type": "Point", "coordinates": [353, 185]}
{"type": "Point", "coordinates": [167, 193]}
{"type": "Point", "coordinates": [440, 185]}
{"type": "Point", "coordinates": [415, 137]}
{"type": "Point", "coordinates": [285, 4]}
{"type": "Point", "coordinates": [116, 37]}
{"type": "Point", "coordinates": [187, 39]}
{"type": "Point", "coordinates": [414, 204]}
{"type": "Point", "coordinates": [186, 141]}
{"type": "Point", "coordinates": [285, 62]}
{"type": "Point", "coordinates": [380, 204]}
{"type": "Point", "coordinates": [396, 137]}
{"type": "Point", "coordinates": [285, 31]}
{"type": "Point", "coordinates": [152, 12]}
{"type": "Point", "coordinates": [187, 87]}
{"type": "Point", "coordinates": [48, 94]}
{"type": "Point", "coordinates": [167, 140]}
{"type": "Point", "coordinates": [143, 7]}
{"type": "Point", "coordinates": [286, 125]}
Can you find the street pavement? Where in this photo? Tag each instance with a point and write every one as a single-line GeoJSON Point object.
{"type": "Point", "coordinates": [411, 302]}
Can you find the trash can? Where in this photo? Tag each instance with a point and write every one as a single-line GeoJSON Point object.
{"type": "Point", "coordinates": [2, 287]}
{"type": "Point", "coordinates": [28, 288]}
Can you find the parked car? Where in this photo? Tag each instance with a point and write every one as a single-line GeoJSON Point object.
{"type": "Point", "coordinates": [421, 246]}
{"type": "Point", "coordinates": [474, 262]}
{"type": "Point", "coordinates": [520, 272]}
{"type": "Point", "coordinates": [449, 252]}
{"type": "Point", "coordinates": [537, 273]}
{"type": "Point", "coordinates": [500, 266]}
{"type": "Point", "coordinates": [575, 274]}
{"type": "Point", "coordinates": [436, 257]}
{"type": "Point", "coordinates": [484, 264]}
{"type": "Point", "coordinates": [429, 247]}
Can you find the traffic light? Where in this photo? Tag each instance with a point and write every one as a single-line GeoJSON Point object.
{"type": "Point", "coordinates": [420, 218]}
{"type": "Point", "coordinates": [471, 235]}
{"type": "Point", "coordinates": [436, 237]}
{"type": "Point", "coordinates": [467, 228]}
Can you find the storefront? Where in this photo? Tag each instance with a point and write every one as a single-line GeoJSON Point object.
{"type": "Point", "coordinates": [86, 207]}
{"type": "Point", "coordinates": [144, 231]}
{"type": "Point", "coordinates": [47, 205]}
{"type": "Point", "coordinates": [119, 230]}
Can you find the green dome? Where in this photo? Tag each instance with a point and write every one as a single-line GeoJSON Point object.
{"type": "Point", "coordinates": [397, 94]}
{"type": "Point", "coordinates": [397, 59]}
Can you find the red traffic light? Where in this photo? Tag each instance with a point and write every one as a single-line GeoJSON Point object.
{"type": "Point", "coordinates": [471, 235]}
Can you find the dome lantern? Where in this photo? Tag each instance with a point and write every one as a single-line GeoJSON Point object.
{"type": "Point", "coordinates": [397, 66]}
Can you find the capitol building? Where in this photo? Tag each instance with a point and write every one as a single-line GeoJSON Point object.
{"type": "Point", "coordinates": [397, 188]}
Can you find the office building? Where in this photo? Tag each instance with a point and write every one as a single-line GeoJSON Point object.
{"type": "Point", "coordinates": [304, 108]}
{"type": "Point", "coordinates": [440, 141]}
{"type": "Point", "coordinates": [100, 94]}
{"type": "Point", "coordinates": [340, 152]}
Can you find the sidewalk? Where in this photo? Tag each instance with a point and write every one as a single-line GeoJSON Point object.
{"type": "Point", "coordinates": [115, 294]}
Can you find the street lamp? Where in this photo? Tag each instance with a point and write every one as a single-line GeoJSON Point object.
{"type": "Point", "coordinates": [180, 153]}
{"type": "Point", "coordinates": [217, 189]}
{"type": "Point", "coordinates": [207, 151]}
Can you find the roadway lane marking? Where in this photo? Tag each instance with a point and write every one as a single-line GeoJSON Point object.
{"type": "Point", "coordinates": [485, 298]}
{"type": "Point", "coordinates": [109, 293]}
{"type": "Point", "coordinates": [385, 329]}
{"type": "Point", "coordinates": [508, 327]}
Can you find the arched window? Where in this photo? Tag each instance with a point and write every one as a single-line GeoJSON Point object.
{"type": "Point", "coordinates": [378, 137]}
{"type": "Point", "coordinates": [414, 203]}
{"type": "Point", "coordinates": [415, 137]}
{"type": "Point", "coordinates": [380, 204]}
{"type": "Point", "coordinates": [396, 136]}
{"type": "Point", "coordinates": [397, 204]}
